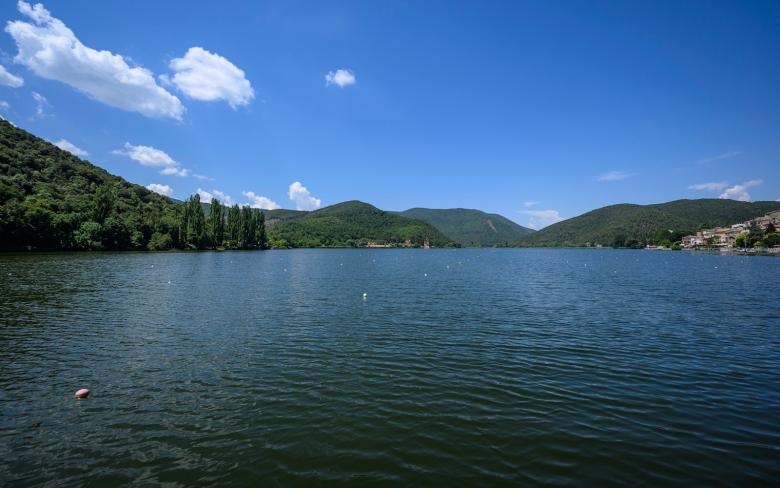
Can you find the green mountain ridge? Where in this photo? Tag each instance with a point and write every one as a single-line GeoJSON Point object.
{"type": "Point", "coordinates": [351, 223]}
{"type": "Point", "coordinates": [627, 224]}
{"type": "Point", "coordinates": [51, 199]}
{"type": "Point", "coordinates": [470, 227]}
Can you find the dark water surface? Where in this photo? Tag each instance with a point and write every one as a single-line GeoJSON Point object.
{"type": "Point", "coordinates": [461, 367]}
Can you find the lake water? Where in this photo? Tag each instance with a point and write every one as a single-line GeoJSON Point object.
{"type": "Point", "coordinates": [612, 367]}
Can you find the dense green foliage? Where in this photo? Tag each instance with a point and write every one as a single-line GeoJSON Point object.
{"type": "Point", "coordinates": [470, 227]}
{"type": "Point", "coordinates": [755, 236]}
{"type": "Point", "coordinates": [636, 225]}
{"type": "Point", "coordinates": [351, 224]}
{"type": "Point", "coordinates": [220, 226]}
{"type": "Point", "coordinates": [50, 199]}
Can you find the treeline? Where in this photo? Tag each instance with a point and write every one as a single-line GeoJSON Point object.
{"type": "Point", "coordinates": [52, 200]}
{"type": "Point", "coordinates": [227, 227]}
{"type": "Point", "coordinates": [665, 238]}
{"type": "Point", "coordinates": [105, 221]}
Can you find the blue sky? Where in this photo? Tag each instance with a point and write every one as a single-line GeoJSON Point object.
{"type": "Point", "coordinates": [535, 110]}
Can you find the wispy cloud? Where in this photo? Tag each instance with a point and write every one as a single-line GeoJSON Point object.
{"type": "Point", "coordinates": [714, 186]}
{"type": "Point", "coordinates": [206, 196]}
{"type": "Point", "coordinates": [739, 192]}
{"type": "Point", "coordinates": [340, 78]}
{"type": "Point", "coordinates": [539, 219]}
{"type": "Point", "coordinates": [153, 157]}
{"type": "Point", "coordinates": [259, 201]}
{"type": "Point", "coordinates": [735, 192]}
{"type": "Point", "coordinates": [66, 145]}
{"type": "Point", "coordinates": [161, 189]}
{"type": "Point", "coordinates": [614, 176]}
{"type": "Point", "coordinates": [40, 104]}
{"type": "Point", "coordinates": [725, 155]}
{"type": "Point", "coordinates": [10, 79]}
{"type": "Point", "coordinates": [530, 203]}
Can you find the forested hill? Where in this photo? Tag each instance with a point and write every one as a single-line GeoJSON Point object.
{"type": "Point", "coordinates": [50, 199]}
{"type": "Point", "coordinates": [471, 227]}
{"type": "Point", "coordinates": [352, 223]}
{"type": "Point", "coordinates": [637, 225]}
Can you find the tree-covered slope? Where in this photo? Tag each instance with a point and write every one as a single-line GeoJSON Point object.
{"type": "Point", "coordinates": [352, 223]}
{"type": "Point", "coordinates": [627, 224]}
{"type": "Point", "coordinates": [50, 199]}
{"type": "Point", "coordinates": [470, 227]}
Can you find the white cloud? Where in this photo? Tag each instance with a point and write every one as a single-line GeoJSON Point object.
{"type": "Point", "coordinates": [204, 195]}
{"type": "Point", "coordinates": [161, 189]}
{"type": "Point", "coordinates": [341, 77]}
{"type": "Point", "coordinates": [541, 218]}
{"type": "Point", "coordinates": [739, 192]}
{"type": "Point", "coordinates": [221, 196]}
{"type": "Point", "coordinates": [529, 204]}
{"type": "Point", "coordinates": [40, 104]}
{"type": "Point", "coordinates": [4, 105]}
{"type": "Point", "coordinates": [175, 171]}
{"type": "Point", "coordinates": [302, 198]}
{"type": "Point", "coordinates": [614, 176]}
{"type": "Point", "coordinates": [51, 50]}
{"type": "Point", "coordinates": [725, 155]}
{"type": "Point", "coordinates": [714, 186]}
{"type": "Point", "coordinates": [153, 157]}
{"type": "Point", "coordinates": [203, 75]}
{"type": "Point", "coordinates": [259, 201]}
{"type": "Point", "coordinates": [146, 155]}
{"type": "Point", "coordinates": [66, 145]}
{"type": "Point", "coordinates": [9, 79]}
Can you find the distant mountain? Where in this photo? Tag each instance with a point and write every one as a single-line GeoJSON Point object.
{"type": "Point", "coordinates": [351, 223]}
{"type": "Point", "coordinates": [470, 227]}
{"type": "Point", "coordinates": [627, 224]}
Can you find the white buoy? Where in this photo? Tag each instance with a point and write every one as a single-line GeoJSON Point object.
{"type": "Point", "coordinates": [365, 295]}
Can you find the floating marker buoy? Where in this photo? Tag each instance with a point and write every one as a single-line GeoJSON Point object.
{"type": "Point", "coordinates": [365, 295]}
{"type": "Point", "coordinates": [82, 393]}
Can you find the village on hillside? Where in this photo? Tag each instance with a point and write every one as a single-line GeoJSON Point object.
{"type": "Point", "coordinates": [758, 233]}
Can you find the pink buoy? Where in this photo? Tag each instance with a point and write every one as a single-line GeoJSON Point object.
{"type": "Point", "coordinates": [82, 393]}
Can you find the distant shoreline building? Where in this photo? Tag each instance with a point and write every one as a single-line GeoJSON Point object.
{"type": "Point", "coordinates": [727, 236]}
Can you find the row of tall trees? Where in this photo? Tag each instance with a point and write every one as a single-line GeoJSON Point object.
{"type": "Point", "coordinates": [228, 227]}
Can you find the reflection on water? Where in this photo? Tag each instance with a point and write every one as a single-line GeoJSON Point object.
{"type": "Point", "coordinates": [490, 366]}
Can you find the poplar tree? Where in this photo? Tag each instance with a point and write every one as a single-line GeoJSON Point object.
{"type": "Point", "coordinates": [216, 223]}
{"type": "Point", "coordinates": [260, 237]}
{"type": "Point", "coordinates": [184, 222]}
{"type": "Point", "coordinates": [234, 225]}
{"type": "Point", "coordinates": [196, 228]}
{"type": "Point", "coordinates": [247, 227]}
